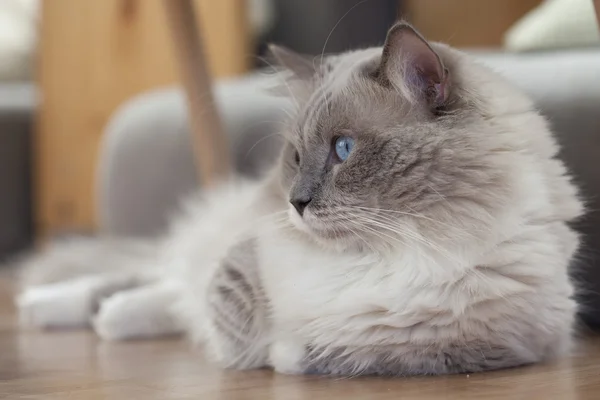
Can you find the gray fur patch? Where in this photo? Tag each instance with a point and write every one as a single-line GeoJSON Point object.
{"type": "Point", "coordinates": [237, 307]}
{"type": "Point", "coordinates": [390, 361]}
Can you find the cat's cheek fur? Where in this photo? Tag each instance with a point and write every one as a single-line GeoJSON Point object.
{"type": "Point", "coordinates": [405, 315]}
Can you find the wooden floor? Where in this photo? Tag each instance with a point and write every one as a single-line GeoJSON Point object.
{"type": "Point", "coordinates": [76, 366]}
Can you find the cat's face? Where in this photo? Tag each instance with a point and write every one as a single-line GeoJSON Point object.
{"type": "Point", "coordinates": [381, 145]}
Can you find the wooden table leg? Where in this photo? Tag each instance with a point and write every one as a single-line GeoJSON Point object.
{"type": "Point", "coordinates": [597, 5]}
{"type": "Point", "coordinates": [209, 140]}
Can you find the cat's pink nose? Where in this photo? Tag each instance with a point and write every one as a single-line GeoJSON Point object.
{"type": "Point", "coordinates": [300, 203]}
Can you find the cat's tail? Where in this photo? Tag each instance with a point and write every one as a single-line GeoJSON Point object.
{"type": "Point", "coordinates": [80, 257]}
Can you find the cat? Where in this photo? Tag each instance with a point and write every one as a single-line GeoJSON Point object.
{"type": "Point", "coordinates": [416, 222]}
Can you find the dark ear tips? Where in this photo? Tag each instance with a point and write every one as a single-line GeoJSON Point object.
{"type": "Point", "coordinates": [408, 56]}
{"type": "Point", "coordinates": [302, 66]}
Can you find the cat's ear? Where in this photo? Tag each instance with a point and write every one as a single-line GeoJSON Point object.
{"type": "Point", "coordinates": [299, 71]}
{"type": "Point", "coordinates": [303, 67]}
{"type": "Point", "coordinates": [410, 63]}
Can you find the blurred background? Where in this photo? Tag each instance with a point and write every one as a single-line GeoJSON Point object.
{"type": "Point", "coordinates": [93, 126]}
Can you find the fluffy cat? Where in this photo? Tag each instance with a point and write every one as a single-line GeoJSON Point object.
{"type": "Point", "coordinates": [416, 223]}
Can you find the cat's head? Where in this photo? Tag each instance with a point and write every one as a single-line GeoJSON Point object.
{"type": "Point", "coordinates": [393, 144]}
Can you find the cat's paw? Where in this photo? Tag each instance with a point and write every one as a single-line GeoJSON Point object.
{"type": "Point", "coordinates": [117, 319]}
{"type": "Point", "coordinates": [139, 313]}
{"type": "Point", "coordinates": [287, 356]}
{"type": "Point", "coordinates": [60, 305]}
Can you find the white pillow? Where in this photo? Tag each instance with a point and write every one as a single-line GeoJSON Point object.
{"type": "Point", "coordinates": [18, 38]}
{"type": "Point", "coordinates": [555, 24]}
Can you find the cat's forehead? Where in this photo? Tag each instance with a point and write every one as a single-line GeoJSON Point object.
{"type": "Point", "coordinates": [344, 96]}
{"type": "Point", "coordinates": [341, 70]}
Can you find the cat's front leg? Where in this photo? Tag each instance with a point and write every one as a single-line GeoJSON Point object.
{"type": "Point", "coordinates": [238, 332]}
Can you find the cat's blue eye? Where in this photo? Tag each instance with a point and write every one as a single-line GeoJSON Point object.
{"type": "Point", "coordinates": [343, 147]}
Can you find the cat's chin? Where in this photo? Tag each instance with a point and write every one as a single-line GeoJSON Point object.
{"type": "Point", "coordinates": [326, 236]}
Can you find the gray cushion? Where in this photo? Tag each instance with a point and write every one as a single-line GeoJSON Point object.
{"type": "Point", "coordinates": [147, 163]}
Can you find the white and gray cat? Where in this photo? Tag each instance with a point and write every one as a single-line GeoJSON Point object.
{"type": "Point", "coordinates": [416, 223]}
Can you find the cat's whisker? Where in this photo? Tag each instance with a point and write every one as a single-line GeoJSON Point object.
{"type": "Point", "coordinates": [404, 231]}
{"type": "Point", "coordinates": [381, 235]}
{"type": "Point", "coordinates": [288, 114]}
{"type": "Point", "coordinates": [365, 240]}
{"type": "Point", "coordinates": [336, 25]}
{"type": "Point", "coordinates": [476, 229]}
{"type": "Point", "coordinates": [456, 232]}
{"type": "Point", "coordinates": [392, 224]}
{"type": "Point", "coordinates": [329, 36]}
{"type": "Point", "coordinates": [359, 237]}
{"type": "Point", "coordinates": [396, 240]}
{"type": "Point", "coordinates": [273, 226]}
{"type": "Point", "coordinates": [276, 227]}
{"type": "Point", "coordinates": [259, 141]}
{"type": "Point", "coordinates": [280, 212]}
{"type": "Point", "coordinates": [414, 214]}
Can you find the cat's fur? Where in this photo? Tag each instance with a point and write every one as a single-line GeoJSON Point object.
{"type": "Point", "coordinates": [440, 245]}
